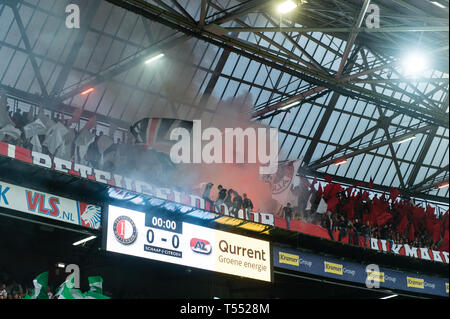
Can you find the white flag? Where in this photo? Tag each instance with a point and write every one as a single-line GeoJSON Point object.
{"type": "Point", "coordinates": [322, 208]}
{"type": "Point", "coordinates": [281, 182]}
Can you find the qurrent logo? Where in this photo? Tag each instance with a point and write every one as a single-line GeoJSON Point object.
{"type": "Point", "coordinates": [125, 230]}
{"type": "Point", "coordinates": [201, 246]}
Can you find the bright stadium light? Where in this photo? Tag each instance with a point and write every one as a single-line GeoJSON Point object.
{"type": "Point", "coordinates": [61, 265]}
{"type": "Point", "coordinates": [340, 161]}
{"type": "Point", "coordinates": [286, 6]}
{"type": "Point", "coordinates": [440, 5]}
{"type": "Point", "coordinates": [415, 63]}
{"type": "Point", "coordinates": [156, 57]}
{"type": "Point", "coordinates": [406, 139]}
{"type": "Point", "coordinates": [90, 90]}
{"type": "Point", "coordinates": [389, 297]}
{"type": "Point", "coordinates": [289, 105]}
{"type": "Point", "coordinates": [84, 240]}
{"type": "Point", "coordinates": [443, 185]}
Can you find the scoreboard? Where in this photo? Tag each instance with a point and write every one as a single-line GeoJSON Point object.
{"type": "Point", "coordinates": [160, 235]}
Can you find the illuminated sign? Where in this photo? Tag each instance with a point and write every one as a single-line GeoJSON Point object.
{"type": "Point", "coordinates": [46, 205]}
{"type": "Point", "coordinates": [161, 236]}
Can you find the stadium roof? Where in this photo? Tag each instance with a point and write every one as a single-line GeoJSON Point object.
{"type": "Point", "coordinates": [335, 87]}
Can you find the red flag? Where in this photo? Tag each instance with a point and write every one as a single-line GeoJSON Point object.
{"type": "Point", "coordinates": [331, 190]}
{"type": "Point", "coordinates": [394, 194]}
{"type": "Point", "coordinates": [332, 203]}
{"type": "Point", "coordinates": [411, 232]}
{"type": "Point", "coordinates": [402, 225]}
{"type": "Point", "coordinates": [328, 178]}
{"type": "Point", "coordinates": [365, 196]}
{"type": "Point", "coordinates": [319, 191]}
{"type": "Point", "coordinates": [370, 183]}
{"type": "Point", "coordinates": [436, 232]}
{"type": "Point", "coordinates": [383, 218]}
{"type": "Point", "coordinates": [418, 214]}
{"type": "Point", "coordinates": [350, 208]}
{"type": "Point", "coordinates": [444, 246]}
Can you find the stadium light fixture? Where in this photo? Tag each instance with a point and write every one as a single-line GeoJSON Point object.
{"type": "Point", "coordinates": [389, 297]}
{"type": "Point", "coordinates": [84, 240]}
{"type": "Point", "coordinates": [286, 6]}
{"type": "Point", "coordinates": [443, 185]}
{"type": "Point", "coordinates": [440, 5]}
{"type": "Point", "coordinates": [406, 139]}
{"type": "Point", "coordinates": [90, 90]}
{"type": "Point", "coordinates": [289, 105]}
{"type": "Point", "coordinates": [415, 63]}
{"type": "Point", "coordinates": [340, 161]}
{"type": "Point", "coordinates": [156, 57]}
{"type": "Point", "coordinates": [61, 265]}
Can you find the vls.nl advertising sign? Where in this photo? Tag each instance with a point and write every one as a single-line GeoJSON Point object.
{"type": "Point", "coordinates": [46, 205]}
{"type": "Point", "coordinates": [160, 236]}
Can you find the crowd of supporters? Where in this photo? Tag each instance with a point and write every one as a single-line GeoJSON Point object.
{"type": "Point", "coordinates": [352, 213]}
{"type": "Point", "coordinates": [87, 146]}
{"type": "Point", "coordinates": [357, 216]}
{"type": "Point", "coordinates": [10, 288]}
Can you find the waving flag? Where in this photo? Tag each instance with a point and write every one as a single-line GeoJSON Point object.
{"type": "Point", "coordinates": [96, 284]}
{"type": "Point", "coordinates": [55, 137]}
{"type": "Point", "coordinates": [40, 286]}
{"type": "Point", "coordinates": [10, 130]}
{"type": "Point", "coordinates": [63, 291]}
{"type": "Point", "coordinates": [103, 143]}
{"type": "Point", "coordinates": [34, 128]}
{"type": "Point", "coordinates": [155, 132]}
{"type": "Point", "coordinates": [281, 182]}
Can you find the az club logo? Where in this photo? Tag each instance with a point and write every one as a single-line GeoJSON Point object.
{"type": "Point", "coordinates": [125, 230]}
{"type": "Point", "coordinates": [201, 246]}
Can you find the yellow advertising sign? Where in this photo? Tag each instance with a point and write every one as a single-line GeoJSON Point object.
{"type": "Point", "coordinates": [334, 268]}
{"type": "Point", "coordinates": [375, 276]}
{"type": "Point", "coordinates": [415, 282]}
{"type": "Point", "coordinates": [289, 259]}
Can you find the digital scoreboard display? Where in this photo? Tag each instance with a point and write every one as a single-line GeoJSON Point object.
{"type": "Point", "coordinates": [161, 235]}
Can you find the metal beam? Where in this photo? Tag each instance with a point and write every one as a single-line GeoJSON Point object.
{"type": "Point", "coordinates": [182, 10]}
{"type": "Point", "coordinates": [240, 11]}
{"type": "Point", "coordinates": [352, 37]}
{"type": "Point", "coordinates": [262, 56]}
{"type": "Point", "coordinates": [302, 30]}
{"type": "Point", "coordinates": [212, 83]}
{"type": "Point", "coordinates": [91, 9]}
{"type": "Point", "coordinates": [29, 49]}
{"type": "Point", "coordinates": [203, 11]}
{"type": "Point", "coordinates": [321, 128]}
{"type": "Point", "coordinates": [425, 148]}
{"type": "Point", "coordinates": [122, 66]}
{"type": "Point", "coordinates": [353, 140]}
{"type": "Point", "coordinates": [292, 99]}
{"type": "Point", "coordinates": [375, 146]}
{"type": "Point", "coordinates": [429, 178]}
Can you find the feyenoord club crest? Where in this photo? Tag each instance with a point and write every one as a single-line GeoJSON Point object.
{"type": "Point", "coordinates": [125, 230]}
